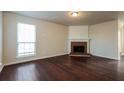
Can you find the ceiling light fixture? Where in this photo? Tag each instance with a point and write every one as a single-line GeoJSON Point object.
{"type": "Point", "coordinates": [74, 14]}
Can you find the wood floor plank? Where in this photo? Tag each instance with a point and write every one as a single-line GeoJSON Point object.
{"type": "Point", "coordinates": [65, 68]}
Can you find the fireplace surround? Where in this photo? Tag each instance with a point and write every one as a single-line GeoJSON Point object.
{"type": "Point", "coordinates": [79, 48]}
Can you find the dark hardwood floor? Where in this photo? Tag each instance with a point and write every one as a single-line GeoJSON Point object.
{"type": "Point", "coordinates": [65, 68]}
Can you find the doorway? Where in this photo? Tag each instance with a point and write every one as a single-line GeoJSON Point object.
{"type": "Point", "coordinates": [121, 41]}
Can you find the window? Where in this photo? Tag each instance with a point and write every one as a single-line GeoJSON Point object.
{"type": "Point", "coordinates": [26, 40]}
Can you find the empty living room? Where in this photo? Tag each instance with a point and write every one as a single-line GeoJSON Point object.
{"type": "Point", "coordinates": [61, 46]}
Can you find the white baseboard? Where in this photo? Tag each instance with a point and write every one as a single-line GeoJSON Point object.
{"type": "Point", "coordinates": [24, 61]}
{"type": "Point", "coordinates": [1, 67]}
{"type": "Point", "coordinates": [105, 57]}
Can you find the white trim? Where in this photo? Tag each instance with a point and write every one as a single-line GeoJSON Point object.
{"type": "Point", "coordinates": [79, 40]}
{"type": "Point", "coordinates": [1, 67]}
{"type": "Point", "coordinates": [106, 57]}
{"type": "Point", "coordinates": [24, 61]}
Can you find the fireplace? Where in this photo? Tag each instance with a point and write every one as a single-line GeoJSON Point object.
{"type": "Point", "coordinates": [79, 48]}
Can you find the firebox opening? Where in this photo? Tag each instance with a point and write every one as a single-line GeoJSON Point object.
{"type": "Point", "coordinates": [78, 49]}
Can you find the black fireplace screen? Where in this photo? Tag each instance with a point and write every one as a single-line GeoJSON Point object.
{"type": "Point", "coordinates": [78, 49]}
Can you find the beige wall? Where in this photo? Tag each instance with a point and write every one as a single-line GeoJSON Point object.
{"type": "Point", "coordinates": [120, 27]}
{"type": "Point", "coordinates": [51, 38]}
{"type": "Point", "coordinates": [0, 38]}
{"type": "Point", "coordinates": [78, 32]}
{"type": "Point", "coordinates": [121, 32]}
{"type": "Point", "coordinates": [104, 39]}
{"type": "Point", "coordinates": [121, 39]}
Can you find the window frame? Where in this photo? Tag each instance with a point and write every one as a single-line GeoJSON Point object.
{"type": "Point", "coordinates": [17, 43]}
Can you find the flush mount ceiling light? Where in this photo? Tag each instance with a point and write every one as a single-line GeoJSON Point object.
{"type": "Point", "coordinates": [74, 14]}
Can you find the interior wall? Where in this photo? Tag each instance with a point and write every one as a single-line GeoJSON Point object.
{"type": "Point", "coordinates": [51, 38]}
{"type": "Point", "coordinates": [1, 38]}
{"type": "Point", "coordinates": [121, 32]}
{"type": "Point", "coordinates": [122, 39]}
{"type": "Point", "coordinates": [104, 40]}
{"type": "Point", "coordinates": [119, 36]}
{"type": "Point", "coordinates": [78, 34]}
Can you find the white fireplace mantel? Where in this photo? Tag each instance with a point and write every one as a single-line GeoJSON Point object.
{"type": "Point", "coordinates": [79, 40]}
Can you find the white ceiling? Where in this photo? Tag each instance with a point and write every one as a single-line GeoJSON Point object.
{"type": "Point", "coordinates": [64, 17]}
